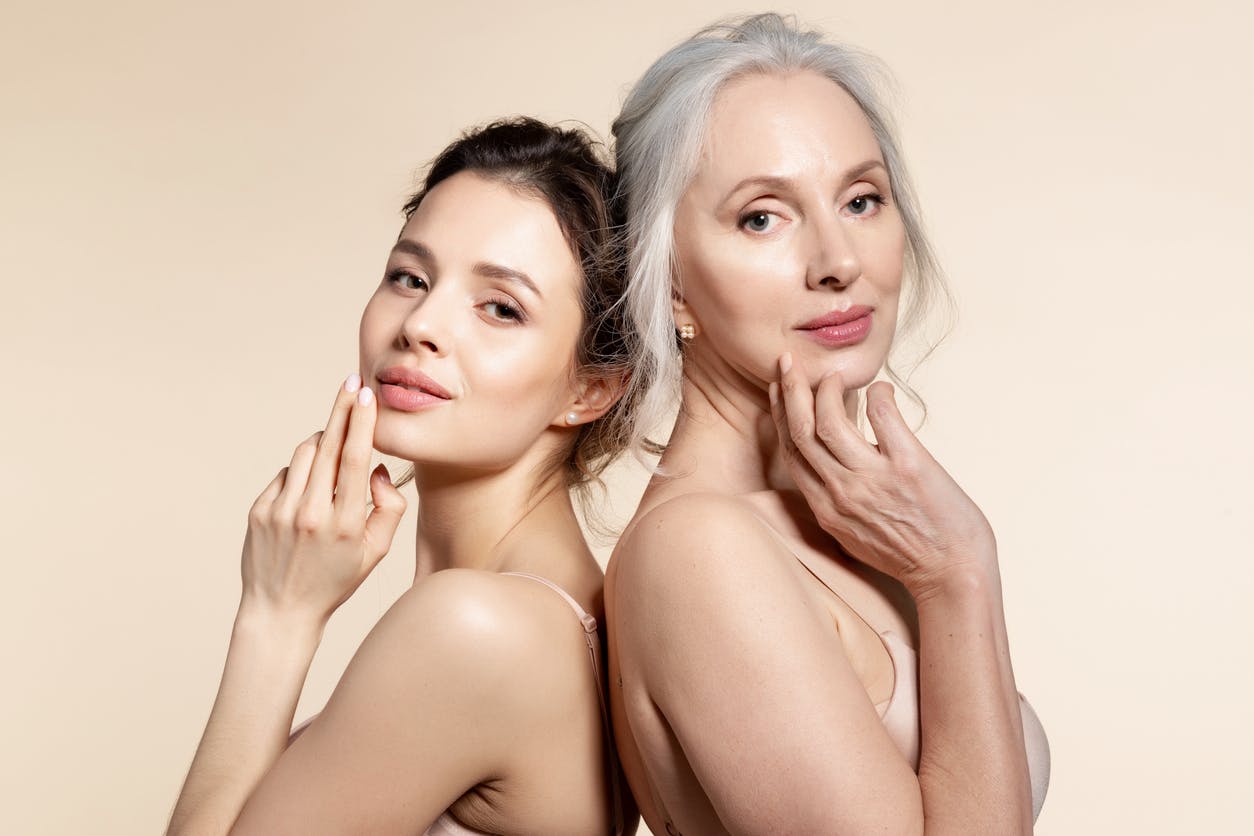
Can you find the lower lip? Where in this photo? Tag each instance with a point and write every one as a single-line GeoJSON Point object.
{"type": "Point", "coordinates": [847, 333]}
{"type": "Point", "coordinates": [407, 400]}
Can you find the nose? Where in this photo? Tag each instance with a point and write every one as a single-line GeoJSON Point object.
{"type": "Point", "coordinates": [834, 261]}
{"type": "Point", "coordinates": [424, 328]}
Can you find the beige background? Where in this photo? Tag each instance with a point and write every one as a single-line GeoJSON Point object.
{"type": "Point", "coordinates": [196, 200]}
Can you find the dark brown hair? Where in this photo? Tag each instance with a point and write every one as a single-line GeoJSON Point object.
{"type": "Point", "coordinates": [567, 170]}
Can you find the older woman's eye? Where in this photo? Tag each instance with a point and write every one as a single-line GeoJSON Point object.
{"type": "Point", "coordinates": [865, 204]}
{"type": "Point", "coordinates": [758, 221]}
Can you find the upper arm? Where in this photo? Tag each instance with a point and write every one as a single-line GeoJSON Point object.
{"type": "Point", "coordinates": [751, 678]}
{"type": "Point", "coordinates": [415, 721]}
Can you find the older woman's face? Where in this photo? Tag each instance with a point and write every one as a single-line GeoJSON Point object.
{"type": "Point", "coordinates": [788, 238]}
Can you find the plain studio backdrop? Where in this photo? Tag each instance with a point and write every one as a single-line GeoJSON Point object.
{"type": "Point", "coordinates": [196, 200]}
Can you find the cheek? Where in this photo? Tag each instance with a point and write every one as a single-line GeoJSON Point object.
{"type": "Point", "coordinates": [372, 332]}
{"type": "Point", "coordinates": [884, 257]}
{"type": "Point", "coordinates": [731, 286]}
{"type": "Point", "coordinates": [520, 380]}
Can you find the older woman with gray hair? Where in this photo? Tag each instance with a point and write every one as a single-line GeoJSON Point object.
{"type": "Point", "coordinates": [807, 633]}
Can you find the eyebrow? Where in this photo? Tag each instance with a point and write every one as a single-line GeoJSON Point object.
{"type": "Point", "coordinates": [499, 271]}
{"type": "Point", "coordinates": [482, 268]}
{"type": "Point", "coordinates": [782, 183]}
{"type": "Point", "coordinates": [408, 245]}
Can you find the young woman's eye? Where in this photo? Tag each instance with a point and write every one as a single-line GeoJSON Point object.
{"type": "Point", "coordinates": [865, 204]}
{"type": "Point", "coordinates": [758, 221]}
{"type": "Point", "coordinates": [503, 310]}
{"type": "Point", "coordinates": [408, 280]}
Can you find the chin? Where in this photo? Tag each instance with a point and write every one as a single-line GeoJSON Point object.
{"type": "Point", "coordinates": [857, 369]}
{"type": "Point", "coordinates": [400, 445]}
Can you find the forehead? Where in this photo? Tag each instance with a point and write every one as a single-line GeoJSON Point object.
{"type": "Point", "coordinates": [795, 125]}
{"type": "Point", "coordinates": [470, 219]}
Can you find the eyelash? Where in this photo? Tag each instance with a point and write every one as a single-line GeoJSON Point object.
{"type": "Point", "coordinates": [510, 311]}
{"type": "Point", "coordinates": [875, 197]}
{"type": "Point", "coordinates": [398, 276]}
{"type": "Point", "coordinates": [515, 314]}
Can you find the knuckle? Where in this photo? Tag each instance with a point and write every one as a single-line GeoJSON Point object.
{"type": "Point", "coordinates": [307, 520]}
{"type": "Point", "coordinates": [356, 458]}
{"type": "Point", "coordinates": [802, 427]}
{"type": "Point", "coordinates": [842, 503]}
{"type": "Point", "coordinates": [828, 520]}
{"type": "Point", "coordinates": [909, 468]}
{"type": "Point", "coordinates": [827, 431]}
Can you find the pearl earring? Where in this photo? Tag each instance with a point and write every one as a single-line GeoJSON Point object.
{"type": "Point", "coordinates": [688, 332]}
{"type": "Point", "coordinates": [572, 419]}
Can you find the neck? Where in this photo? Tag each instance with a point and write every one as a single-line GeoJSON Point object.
{"type": "Point", "coordinates": [467, 519]}
{"type": "Point", "coordinates": [725, 427]}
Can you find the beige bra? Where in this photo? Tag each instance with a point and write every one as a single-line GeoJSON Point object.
{"type": "Point", "coordinates": [900, 713]}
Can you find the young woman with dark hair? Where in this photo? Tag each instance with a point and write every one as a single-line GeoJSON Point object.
{"type": "Point", "coordinates": [493, 359]}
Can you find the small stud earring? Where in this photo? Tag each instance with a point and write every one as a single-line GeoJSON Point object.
{"type": "Point", "coordinates": [688, 332]}
{"type": "Point", "coordinates": [572, 419]}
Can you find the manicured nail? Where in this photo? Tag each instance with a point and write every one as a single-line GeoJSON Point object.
{"type": "Point", "coordinates": [772, 392]}
{"type": "Point", "coordinates": [353, 383]}
{"type": "Point", "coordinates": [365, 396]}
{"type": "Point", "coordinates": [785, 362]}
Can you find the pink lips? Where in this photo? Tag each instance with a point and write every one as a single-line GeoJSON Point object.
{"type": "Point", "coordinates": [409, 390]}
{"type": "Point", "coordinates": [840, 327]}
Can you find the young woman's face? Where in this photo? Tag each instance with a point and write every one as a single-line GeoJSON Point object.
{"type": "Point", "coordinates": [470, 339]}
{"type": "Point", "coordinates": [788, 238]}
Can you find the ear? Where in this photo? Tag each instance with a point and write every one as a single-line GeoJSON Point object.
{"type": "Point", "coordinates": [679, 305]}
{"type": "Point", "coordinates": [681, 314]}
{"type": "Point", "coordinates": [594, 395]}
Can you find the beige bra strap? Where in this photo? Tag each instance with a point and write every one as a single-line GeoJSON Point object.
{"type": "Point", "coordinates": [591, 638]}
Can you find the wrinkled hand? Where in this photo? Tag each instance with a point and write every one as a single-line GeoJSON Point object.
{"type": "Point", "coordinates": [890, 505]}
{"type": "Point", "coordinates": [311, 538]}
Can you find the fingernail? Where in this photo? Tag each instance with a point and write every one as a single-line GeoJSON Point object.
{"type": "Point", "coordinates": [785, 362]}
{"type": "Point", "coordinates": [772, 392]}
{"type": "Point", "coordinates": [353, 383]}
{"type": "Point", "coordinates": [365, 396]}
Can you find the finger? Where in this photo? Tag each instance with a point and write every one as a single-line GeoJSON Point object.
{"type": "Point", "coordinates": [891, 431]}
{"type": "Point", "coordinates": [297, 474]}
{"type": "Point", "coordinates": [797, 402]}
{"type": "Point", "coordinates": [350, 488]}
{"type": "Point", "coordinates": [327, 462]}
{"type": "Point", "coordinates": [261, 505]}
{"type": "Point", "coordinates": [816, 492]}
{"type": "Point", "coordinates": [833, 427]}
{"type": "Point", "coordinates": [780, 417]}
{"type": "Point", "coordinates": [389, 507]}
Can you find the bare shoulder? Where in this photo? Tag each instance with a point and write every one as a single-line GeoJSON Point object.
{"type": "Point", "coordinates": [699, 572]}
{"type": "Point", "coordinates": [472, 631]}
{"type": "Point", "coordinates": [453, 687]}
{"type": "Point", "coordinates": [695, 537]}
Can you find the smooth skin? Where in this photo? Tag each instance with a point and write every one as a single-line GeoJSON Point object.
{"type": "Point", "coordinates": [474, 693]}
{"type": "Point", "coordinates": [746, 690]}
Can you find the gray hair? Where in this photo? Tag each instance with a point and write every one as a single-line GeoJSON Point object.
{"type": "Point", "coordinates": [658, 138]}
